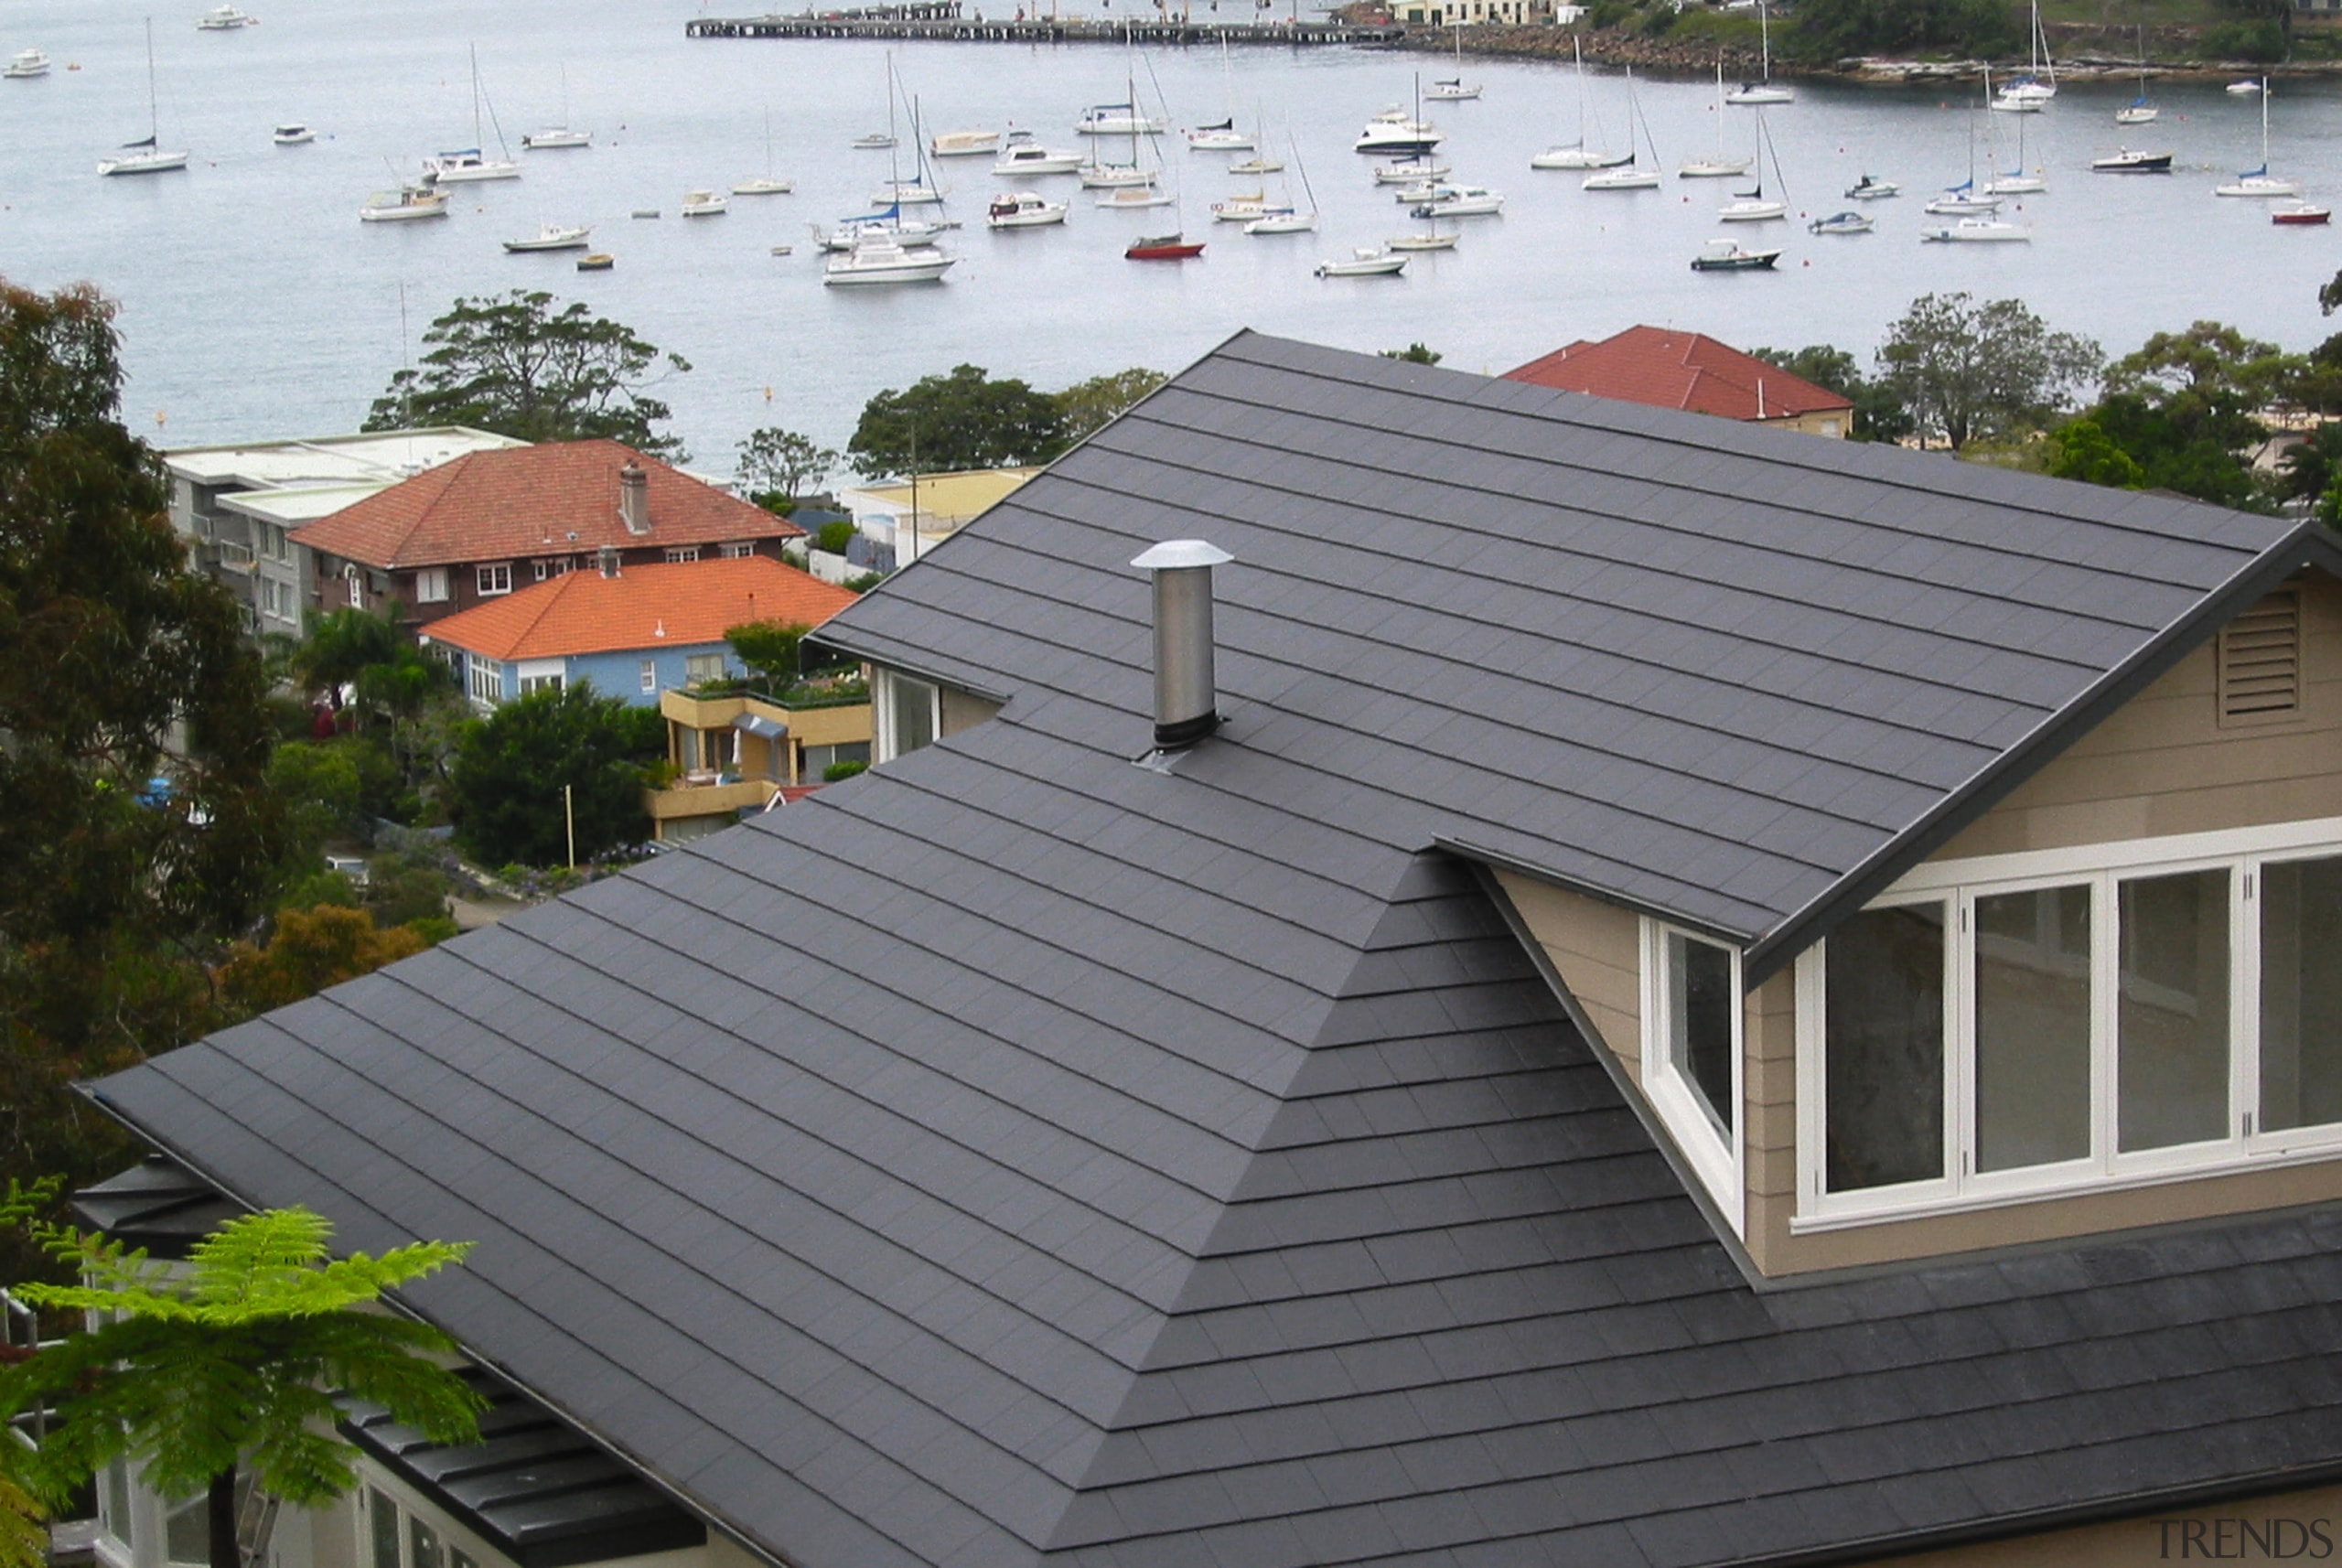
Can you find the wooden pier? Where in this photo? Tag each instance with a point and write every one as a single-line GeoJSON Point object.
{"type": "Point", "coordinates": [945, 22]}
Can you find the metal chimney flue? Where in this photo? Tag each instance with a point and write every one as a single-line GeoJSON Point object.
{"type": "Point", "coordinates": [634, 497]}
{"type": "Point", "coordinates": [1186, 700]}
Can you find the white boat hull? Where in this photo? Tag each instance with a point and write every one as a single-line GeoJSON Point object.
{"type": "Point", "coordinates": [1026, 212]}
{"type": "Point", "coordinates": [1752, 211]}
{"type": "Point", "coordinates": [2137, 115]}
{"type": "Point", "coordinates": [551, 239]}
{"type": "Point", "coordinates": [2017, 185]}
{"type": "Point", "coordinates": [1369, 265]}
{"type": "Point", "coordinates": [1284, 223]}
{"type": "Point", "coordinates": [1219, 142]}
{"type": "Point", "coordinates": [143, 163]}
{"type": "Point", "coordinates": [2261, 185]}
{"type": "Point", "coordinates": [405, 213]}
{"type": "Point", "coordinates": [906, 196]}
{"type": "Point", "coordinates": [763, 187]}
{"type": "Point", "coordinates": [1135, 198]}
{"type": "Point", "coordinates": [1409, 174]}
{"type": "Point", "coordinates": [1114, 176]}
{"type": "Point", "coordinates": [905, 267]}
{"type": "Point", "coordinates": [1014, 166]}
{"type": "Point", "coordinates": [1623, 179]}
{"type": "Point", "coordinates": [1978, 232]}
{"type": "Point", "coordinates": [1578, 158]}
{"type": "Point", "coordinates": [1461, 207]}
{"type": "Point", "coordinates": [540, 141]}
{"type": "Point", "coordinates": [470, 173]}
{"type": "Point", "coordinates": [1424, 243]}
{"type": "Point", "coordinates": [1714, 168]}
{"type": "Point", "coordinates": [1748, 97]}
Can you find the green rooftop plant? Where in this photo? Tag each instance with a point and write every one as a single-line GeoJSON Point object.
{"type": "Point", "coordinates": [195, 1373]}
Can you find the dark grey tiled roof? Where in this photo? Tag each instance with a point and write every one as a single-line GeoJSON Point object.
{"type": "Point", "coordinates": [532, 1486]}
{"type": "Point", "coordinates": [1018, 1156]}
{"type": "Point", "coordinates": [1713, 669]}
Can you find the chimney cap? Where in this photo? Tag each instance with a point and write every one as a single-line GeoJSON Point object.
{"type": "Point", "coordinates": [1176, 553]}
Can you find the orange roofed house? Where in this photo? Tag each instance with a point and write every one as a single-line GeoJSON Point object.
{"type": "Point", "coordinates": [482, 526]}
{"type": "Point", "coordinates": [1694, 372]}
{"type": "Point", "coordinates": [656, 635]}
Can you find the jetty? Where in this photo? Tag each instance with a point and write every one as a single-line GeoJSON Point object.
{"type": "Point", "coordinates": [949, 20]}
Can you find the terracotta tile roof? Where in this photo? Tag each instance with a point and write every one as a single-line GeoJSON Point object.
{"type": "Point", "coordinates": [643, 606]}
{"type": "Point", "coordinates": [1680, 370]}
{"type": "Point", "coordinates": [560, 498]}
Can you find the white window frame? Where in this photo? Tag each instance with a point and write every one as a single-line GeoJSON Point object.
{"type": "Point", "coordinates": [1957, 885]}
{"type": "Point", "coordinates": [650, 676]}
{"type": "Point", "coordinates": [483, 679]}
{"type": "Point", "coordinates": [494, 581]}
{"type": "Point", "coordinates": [884, 696]}
{"type": "Point", "coordinates": [356, 578]}
{"type": "Point", "coordinates": [431, 586]}
{"type": "Point", "coordinates": [736, 550]}
{"type": "Point", "coordinates": [1715, 1155]}
{"type": "Point", "coordinates": [682, 554]}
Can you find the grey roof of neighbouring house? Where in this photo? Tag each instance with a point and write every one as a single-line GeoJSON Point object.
{"type": "Point", "coordinates": [1018, 1156]}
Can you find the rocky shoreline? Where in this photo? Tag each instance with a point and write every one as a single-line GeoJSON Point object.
{"type": "Point", "coordinates": [1689, 59]}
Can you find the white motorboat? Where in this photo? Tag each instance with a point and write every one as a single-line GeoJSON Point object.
{"type": "Point", "coordinates": [1023, 210]}
{"type": "Point", "coordinates": [1978, 231]}
{"type": "Point", "coordinates": [2260, 182]}
{"type": "Point", "coordinates": [906, 193]}
{"type": "Point", "coordinates": [1422, 190]}
{"type": "Point", "coordinates": [1578, 154]}
{"type": "Point", "coordinates": [1429, 239]}
{"type": "Point", "coordinates": [1764, 90]}
{"type": "Point", "coordinates": [146, 155]}
{"type": "Point", "coordinates": [1223, 138]}
{"type": "Point", "coordinates": [1241, 208]}
{"type": "Point", "coordinates": [964, 144]}
{"type": "Point", "coordinates": [1021, 159]}
{"type": "Point", "coordinates": [1366, 262]}
{"type": "Point", "coordinates": [2129, 162]}
{"type": "Point", "coordinates": [1283, 221]}
{"type": "Point", "coordinates": [1395, 133]}
{"type": "Point", "coordinates": [1262, 165]}
{"type": "Point", "coordinates": [467, 165]}
{"type": "Point", "coordinates": [552, 237]}
{"type": "Point", "coordinates": [703, 204]}
{"type": "Point", "coordinates": [1133, 198]}
{"type": "Point", "coordinates": [25, 64]}
{"type": "Point", "coordinates": [877, 260]}
{"type": "Point", "coordinates": [1117, 120]}
{"type": "Point", "coordinates": [1869, 189]}
{"type": "Point", "coordinates": [223, 19]}
{"type": "Point", "coordinates": [405, 205]}
{"type": "Point", "coordinates": [1461, 201]}
{"type": "Point", "coordinates": [1723, 165]}
{"type": "Point", "coordinates": [1841, 223]}
{"type": "Point", "coordinates": [1731, 256]}
{"type": "Point", "coordinates": [875, 142]}
{"type": "Point", "coordinates": [2245, 88]}
{"type": "Point", "coordinates": [291, 133]}
{"type": "Point", "coordinates": [1410, 173]}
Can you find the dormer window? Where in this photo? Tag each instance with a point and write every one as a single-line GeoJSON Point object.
{"type": "Point", "coordinates": [1691, 1052]}
{"type": "Point", "coordinates": [2026, 1024]}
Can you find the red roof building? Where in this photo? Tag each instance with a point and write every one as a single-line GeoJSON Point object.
{"type": "Point", "coordinates": [1690, 372]}
{"type": "Point", "coordinates": [642, 608]}
{"type": "Point", "coordinates": [473, 531]}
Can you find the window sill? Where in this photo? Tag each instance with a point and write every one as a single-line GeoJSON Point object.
{"type": "Point", "coordinates": [2328, 1149]}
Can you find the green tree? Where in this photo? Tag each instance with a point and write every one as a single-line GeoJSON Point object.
{"type": "Point", "coordinates": [2189, 408]}
{"type": "Point", "coordinates": [309, 951]}
{"type": "Point", "coordinates": [111, 894]}
{"type": "Point", "coordinates": [511, 767]}
{"type": "Point", "coordinates": [520, 368]}
{"type": "Point", "coordinates": [773, 649]}
{"type": "Point", "coordinates": [962, 420]}
{"type": "Point", "coordinates": [195, 1376]}
{"type": "Point", "coordinates": [1415, 354]}
{"type": "Point", "coordinates": [1087, 406]}
{"type": "Point", "coordinates": [778, 466]}
{"type": "Point", "coordinates": [1879, 413]}
{"type": "Point", "coordinates": [1961, 369]}
{"type": "Point", "coordinates": [1834, 29]}
{"type": "Point", "coordinates": [2085, 452]}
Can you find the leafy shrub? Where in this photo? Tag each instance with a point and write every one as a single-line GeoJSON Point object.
{"type": "Point", "coordinates": [837, 770]}
{"type": "Point", "coordinates": [834, 536]}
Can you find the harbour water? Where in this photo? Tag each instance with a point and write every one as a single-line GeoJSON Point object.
{"type": "Point", "coordinates": [255, 305]}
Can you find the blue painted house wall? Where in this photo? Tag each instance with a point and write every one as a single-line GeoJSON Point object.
{"type": "Point", "coordinates": [616, 674]}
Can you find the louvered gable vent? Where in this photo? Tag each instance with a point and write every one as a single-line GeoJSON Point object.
{"type": "Point", "coordinates": [2260, 662]}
